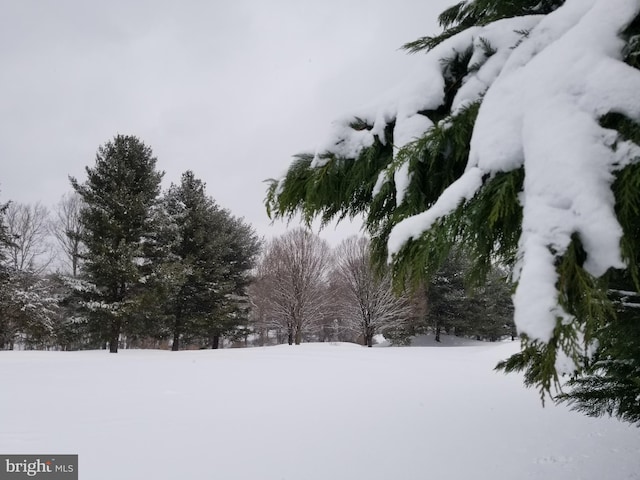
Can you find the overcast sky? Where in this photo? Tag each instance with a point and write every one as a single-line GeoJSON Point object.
{"type": "Point", "coordinates": [228, 89]}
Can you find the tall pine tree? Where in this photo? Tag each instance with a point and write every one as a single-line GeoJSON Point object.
{"type": "Point", "coordinates": [118, 196]}
{"type": "Point", "coordinates": [210, 255]}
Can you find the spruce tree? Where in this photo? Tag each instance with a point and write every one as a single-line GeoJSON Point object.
{"type": "Point", "coordinates": [515, 147]}
{"type": "Point", "coordinates": [118, 196]}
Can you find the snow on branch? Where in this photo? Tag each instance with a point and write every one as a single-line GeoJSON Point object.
{"type": "Point", "coordinates": [541, 111]}
{"type": "Point", "coordinates": [542, 88]}
{"type": "Point", "coordinates": [424, 90]}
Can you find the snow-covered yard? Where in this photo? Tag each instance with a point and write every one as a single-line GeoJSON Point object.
{"type": "Point", "coordinates": [317, 411]}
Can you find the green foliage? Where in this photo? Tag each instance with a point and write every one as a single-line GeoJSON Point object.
{"type": "Point", "coordinates": [455, 306]}
{"type": "Point", "coordinates": [463, 15]}
{"type": "Point", "coordinates": [29, 305]}
{"type": "Point", "coordinates": [449, 303]}
{"type": "Point", "coordinates": [626, 188]}
{"type": "Point", "coordinates": [585, 297]}
{"type": "Point", "coordinates": [610, 383]}
{"type": "Point", "coordinates": [537, 360]}
{"type": "Point", "coordinates": [29, 310]}
{"type": "Point", "coordinates": [119, 194]}
{"type": "Point", "coordinates": [204, 272]}
{"type": "Point", "coordinates": [5, 239]}
{"type": "Point", "coordinates": [631, 51]}
{"type": "Point", "coordinates": [340, 188]}
{"type": "Point", "coordinates": [607, 382]}
{"type": "Point", "coordinates": [153, 267]}
{"type": "Point", "coordinates": [488, 226]}
{"type": "Point", "coordinates": [437, 159]}
{"type": "Point", "coordinates": [5, 287]}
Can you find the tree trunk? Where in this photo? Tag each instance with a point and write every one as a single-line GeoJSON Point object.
{"type": "Point", "coordinates": [176, 334]}
{"type": "Point", "coordinates": [118, 294]}
{"type": "Point", "coordinates": [298, 337]}
{"type": "Point", "coordinates": [74, 265]}
{"type": "Point", "coordinates": [176, 341]}
{"type": "Point", "coordinates": [438, 333]}
{"type": "Point", "coordinates": [290, 336]}
{"type": "Point", "coordinates": [116, 325]}
{"type": "Point", "coordinates": [215, 342]}
{"type": "Point", "coordinates": [369, 339]}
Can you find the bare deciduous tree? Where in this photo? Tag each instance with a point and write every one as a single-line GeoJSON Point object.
{"type": "Point", "coordinates": [27, 225]}
{"type": "Point", "coordinates": [261, 311]}
{"type": "Point", "coordinates": [67, 229]}
{"type": "Point", "coordinates": [366, 299]}
{"type": "Point", "coordinates": [293, 277]}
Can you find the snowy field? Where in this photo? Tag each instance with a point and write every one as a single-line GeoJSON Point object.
{"type": "Point", "coordinates": [317, 411]}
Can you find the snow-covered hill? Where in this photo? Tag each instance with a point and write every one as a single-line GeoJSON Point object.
{"type": "Point", "coordinates": [317, 411]}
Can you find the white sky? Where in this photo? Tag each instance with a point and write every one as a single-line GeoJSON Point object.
{"type": "Point", "coordinates": [230, 90]}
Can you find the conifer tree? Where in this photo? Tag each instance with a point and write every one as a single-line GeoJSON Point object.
{"type": "Point", "coordinates": [6, 331]}
{"type": "Point", "coordinates": [517, 142]}
{"type": "Point", "coordinates": [118, 196]}
{"type": "Point", "coordinates": [210, 254]}
{"type": "Point", "coordinates": [5, 238]}
{"type": "Point", "coordinates": [238, 246]}
{"type": "Point", "coordinates": [484, 312]}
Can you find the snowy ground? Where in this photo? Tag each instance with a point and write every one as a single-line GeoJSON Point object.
{"type": "Point", "coordinates": [317, 411]}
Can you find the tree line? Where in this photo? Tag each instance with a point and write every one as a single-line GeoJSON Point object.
{"type": "Point", "coordinates": [147, 268]}
{"type": "Point", "coordinates": [304, 291]}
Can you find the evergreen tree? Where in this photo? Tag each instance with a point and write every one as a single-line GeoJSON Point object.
{"type": "Point", "coordinates": [517, 142]}
{"type": "Point", "coordinates": [5, 237]}
{"type": "Point", "coordinates": [6, 333]}
{"type": "Point", "coordinates": [118, 196]}
{"type": "Point", "coordinates": [482, 311]}
{"type": "Point", "coordinates": [238, 247]}
{"type": "Point", "coordinates": [447, 307]}
{"type": "Point", "coordinates": [36, 309]}
{"type": "Point", "coordinates": [210, 253]}
{"type": "Point", "coordinates": [28, 306]}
